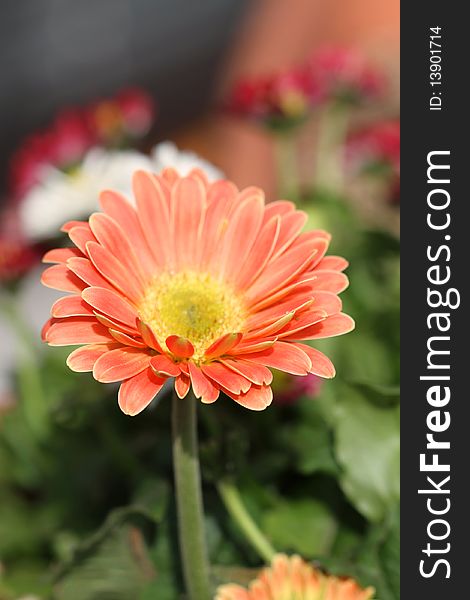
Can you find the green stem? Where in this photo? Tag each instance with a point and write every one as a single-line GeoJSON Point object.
{"type": "Point", "coordinates": [333, 124]}
{"type": "Point", "coordinates": [287, 167]}
{"type": "Point", "coordinates": [189, 498]}
{"type": "Point", "coordinates": [234, 505]}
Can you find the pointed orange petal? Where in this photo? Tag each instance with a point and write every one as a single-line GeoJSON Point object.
{"type": "Point", "coordinates": [257, 397]}
{"type": "Point", "coordinates": [111, 269]}
{"type": "Point", "coordinates": [83, 359]}
{"type": "Point", "coordinates": [321, 364]}
{"type": "Point", "coordinates": [260, 254]}
{"type": "Point", "coordinates": [247, 218]}
{"type": "Point", "coordinates": [148, 336]}
{"type": "Point", "coordinates": [280, 272]}
{"type": "Point", "coordinates": [112, 324]}
{"type": "Point", "coordinates": [67, 226]}
{"type": "Point", "coordinates": [227, 378]}
{"type": "Point", "coordinates": [187, 212]}
{"type": "Point", "coordinates": [333, 263]}
{"type": "Point", "coordinates": [126, 340]}
{"type": "Point", "coordinates": [223, 345]}
{"type": "Point", "coordinates": [330, 281]}
{"type": "Point", "coordinates": [179, 346]}
{"type": "Point", "coordinates": [120, 364]}
{"type": "Point", "coordinates": [291, 226]}
{"type": "Point", "coordinates": [202, 387]}
{"type": "Point", "coordinates": [111, 304]}
{"type": "Point", "coordinates": [164, 366]}
{"type": "Point", "coordinates": [257, 374]}
{"type": "Point", "coordinates": [85, 270]}
{"type": "Point", "coordinates": [118, 208]}
{"type": "Point", "coordinates": [330, 327]}
{"type": "Point", "coordinates": [81, 235]}
{"type": "Point", "coordinates": [283, 356]}
{"type": "Point", "coordinates": [61, 255]}
{"type": "Point", "coordinates": [182, 385]}
{"type": "Point", "coordinates": [76, 331]}
{"type": "Point", "coordinates": [136, 393]}
{"type": "Point", "coordinates": [112, 237]}
{"type": "Point", "coordinates": [71, 306]}
{"type": "Point", "coordinates": [59, 277]}
{"type": "Point", "coordinates": [154, 216]}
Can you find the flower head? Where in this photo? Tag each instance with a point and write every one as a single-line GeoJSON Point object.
{"type": "Point", "coordinates": [280, 100]}
{"type": "Point", "coordinates": [291, 578]}
{"type": "Point", "coordinates": [200, 282]}
{"type": "Point", "coordinates": [375, 150]}
{"type": "Point", "coordinates": [344, 75]}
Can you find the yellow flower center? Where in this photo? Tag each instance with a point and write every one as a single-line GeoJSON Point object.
{"type": "Point", "coordinates": [193, 305]}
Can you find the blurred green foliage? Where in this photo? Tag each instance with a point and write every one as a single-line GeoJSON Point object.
{"type": "Point", "coordinates": [87, 510]}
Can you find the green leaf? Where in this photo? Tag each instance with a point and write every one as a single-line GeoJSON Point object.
{"type": "Point", "coordinates": [306, 526]}
{"type": "Point", "coordinates": [118, 568]}
{"type": "Point", "coordinates": [389, 554]}
{"type": "Point", "coordinates": [311, 447]}
{"type": "Point", "coordinates": [367, 448]}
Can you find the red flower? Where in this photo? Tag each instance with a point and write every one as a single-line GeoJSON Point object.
{"type": "Point", "coordinates": [344, 74]}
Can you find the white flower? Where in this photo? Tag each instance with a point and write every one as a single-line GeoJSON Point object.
{"type": "Point", "coordinates": [62, 197]}
{"type": "Point", "coordinates": [167, 154]}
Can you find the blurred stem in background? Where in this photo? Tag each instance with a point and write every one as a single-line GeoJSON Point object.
{"type": "Point", "coordinates": [33, 401]}
{"type": "Point", "coordinates": [286, 165]}
{"type": "Point", "coordinates": [189, 497]}
{"type": "Point", "coordinates": [237, 510]}
{"type": "Point", "coordinates": [333, 124]}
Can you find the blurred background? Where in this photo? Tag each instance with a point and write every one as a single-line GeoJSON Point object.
{"type": "Point", "coordinates": [300, 98]}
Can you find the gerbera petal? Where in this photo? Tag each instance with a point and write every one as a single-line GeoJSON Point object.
{"type": "Point", "coordinates": [333, 263]}
{"type": "Point", "coordinates": [59, 277]}
{"type": "Point", "coordinates": [203, 388]}
{"type": "Point", "coordinates": [280, 273]}
{"type": "Point", "coordinates": [278, 208]}
{"type": "Point", "coordinates": [112, 324]}
{"type": "Point", "coordinates": [283, 356]}
{"type": "Point", "coordinates": [120, 364]}
{"type": "Point", "coordinates": [83, 359]}
{"type": "Point", "coordinates": [66, 227]}
{"type": "Point", "coordinates": [112, 237]}
{"type": "Point", "coordinates": [61, 255]}
{"type": "Point", "coordinates": [223, 345]}
{"type": "Point", "coordinates": [164, 366]}
{"type": "Point", "coordinates": [182, 385]}
{"type": "Point", "coordinates": [148, 336]}
{"type": "Point", "coordinates": [186, 219]}
{"type": "Point", "coordinates": [85, 270]}
{"type": "Point", "coordinates": [227, 378]}
{"type": "Point", "coordinates": [330, 327]}
{"type": "Point", "coordinates": [126, 340]}
{"type": "Point", "coordinates": [154, 216]}
{"type": "Point", "coordinates": [179, 346]}
{"type": "Point", "coordinates": [327, 301]}
{"type": "Point", "coordinates": [291, 225]}
{"type": "Point", "coordinates": [321, 364]}
{"type": "Point", "coordinates": [81, 235]}
{"type": "Point", "coordinates": [71, 306]}
{"type": "Point", "coordinates": [257, 374]}
{"type": "Point", "coordinates": [118, 208]}
{"type": "Point", "coordinates": [116, 274]}
{"type": "Point", "coordinates": [76, 331]}
{"type": "Point", "coordinates": [247, 217]}
{"type": "Point", "coordinates": [261, 253]}
{"type": "Point", "coordinates": [258, 397]}
{"type": "Point", "coordinates": [330, 281]}
{"type": "Point", "coordinates": [136, 393]}
{"type": "Point", "coordinates": [111, 304]}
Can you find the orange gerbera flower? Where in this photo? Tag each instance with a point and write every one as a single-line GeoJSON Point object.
{"type": "Point", "coordinates": [200, 282]}
{"type": "Point", "coordinates": [291, 578]}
